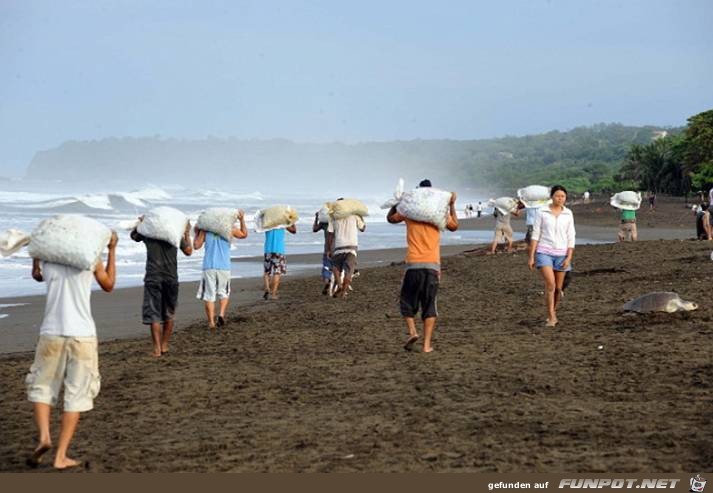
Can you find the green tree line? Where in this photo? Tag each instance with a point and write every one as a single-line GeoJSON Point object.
{"type": "Point", "coordinates": [675, 164]}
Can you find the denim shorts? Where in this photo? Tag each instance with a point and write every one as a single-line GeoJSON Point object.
{"type": "Point", "coordinates": [552, 261]}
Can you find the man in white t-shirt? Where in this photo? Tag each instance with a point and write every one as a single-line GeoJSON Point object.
{"type": "Point", "coordinates": [342, 250]}
{"type": "Point", "coordinates": [66, 354]}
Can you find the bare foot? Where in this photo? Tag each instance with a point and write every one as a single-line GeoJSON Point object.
{"type": "Point", "coordinates": [274, 297]}
{"type": "Point", "coordinates": [155, 354]}
{"type": "Point", "coordinates": [66, 463]}
{"type": "Point", "coordinates": [551, 323]}
{"type": "Point", "coordinates": [410, 342]}
{"type": "Point", "coordinates": [427, 350]}
{"type": "Point", "coordinates": [164, 348]}
{"type": "Point", "coordinates": [35, 459]}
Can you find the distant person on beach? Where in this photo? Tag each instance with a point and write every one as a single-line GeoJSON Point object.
{"type": "Point", "coordinates": [503, 230]}
{"type": "Point", "coordinates": [479, 208]}
{"type": "Point", "coordinates": [66, 354]}
{"type": "Point", "coordinates": [627, 225]}
{"type": "Point", "coordinates": [275, 263]}
{"type": "Point", "coordinates": [419, 288]}
{"type": "Point", "coordinates": [326, 261]}
{"type": "Point", "coordinates": [652, 201]}
{"type": "Point", "coordinates": [161, 286]}
{"type": "Point", "coordinates": [552, 247]}
{"type": "Point", "coordinates": [704, 229]}
{"type": "Point", "coordinates": [215, 281]}
{"type": "Point", "coordinates": [343, 246]}
{"type": "Point", "coordinates": [586, 196]}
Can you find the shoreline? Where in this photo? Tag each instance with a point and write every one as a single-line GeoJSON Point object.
{"type": "Point", "coordinates": [118, 314]}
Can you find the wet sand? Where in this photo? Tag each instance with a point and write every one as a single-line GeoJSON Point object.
{"type": "Point", "coordinates": [308, 383]}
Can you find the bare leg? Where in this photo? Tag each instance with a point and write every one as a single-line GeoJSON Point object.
{"type": "Point", "coordinates": [412, 334]}
{"type": "Point", "coordinates": [223, 306]}
{"type": "Point", "coordinates": [345, 285]}
{"type": "Point", "coordinates": [494, 246]}
{"type": "Point", "coordinates": [337, 276]}
{"type": "Point", "coordinates": [156, 337]}
{"type": "Point", "coordinates": [509, 245]}
{"type": "Point", "coordinates": [66, 432]}
{"type": "Point", "coordinates": [266, 280]}
{"type": "Point", "coordinates": [275, 285]}
{"type": "Point", "coordinates": [428, 325]}
{"type": "Point", "coordinates": [559, 282]}
{"type": "Point", "coordinates": [549, 277]}
{"type": "Point", "coordinates": [42, 420]}
{"type": "Point", "coordinates": [166, 336]}
{"type": "Point", "coordinates": [210, 313]}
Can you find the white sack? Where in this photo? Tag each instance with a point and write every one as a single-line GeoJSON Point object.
{"type": "Point", "coordinates": [505, 205]}
{"type": "Point", "coordinates": [277, 216]}
{"type": "Point", "coordinates": [218, 220]}
{"type": "Point", "coordinates": [323, 215]}
{"type": "Point", "coordinates": [627, 200]}
{"type": "Point", "coordinates": [398, 193]}
{"type": "Point", "coordinates": [67, 239]}
{"type": "Point", "coordinates": [164, 223]}
{"type": "Point", "coordinates": [534, 195]}
{"type": "Point", "coordinates": [347, 207]}
{"type": "Point", "coordinates": [12, 241]}
{"type": "Point", "coordinates": [427, 205]}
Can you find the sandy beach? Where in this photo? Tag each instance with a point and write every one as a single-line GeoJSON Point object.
{"type": "Point", "coordinates": [308, 383]}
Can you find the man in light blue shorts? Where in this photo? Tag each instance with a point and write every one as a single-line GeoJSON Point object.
{"type": "Point", "coordinates": [215, 283]}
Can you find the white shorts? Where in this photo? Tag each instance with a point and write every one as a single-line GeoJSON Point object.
{"type": "Point", "coordinates": [72, 361]}
{"type": "Point", "coordinates": [214, 284]}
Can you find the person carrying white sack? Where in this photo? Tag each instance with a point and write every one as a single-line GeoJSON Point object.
{"type": "Point", "coordinates": [343, 244]}
{"type": "Point", "coordinates": [66, 354]}
{"type": "Point", "coordinates": [215, 283]}
{"type": "Point", "coordinates": [419, 288]}
{"type": "Point", "coordinates": [161, 285]}
{"type": "Point", "coordinates": [552, 248]}
{"type": "Point", "coordinates": [503, 229]}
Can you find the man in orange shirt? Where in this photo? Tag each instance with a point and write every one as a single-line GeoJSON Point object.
{"type": "Point", "coordinates": [423, 271]}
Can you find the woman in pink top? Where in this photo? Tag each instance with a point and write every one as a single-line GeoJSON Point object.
{"type": "Point", "coordinates": [552, 247]}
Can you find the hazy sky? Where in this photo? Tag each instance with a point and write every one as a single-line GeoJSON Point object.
{"type": "Point", "coordinates": [348, 71]}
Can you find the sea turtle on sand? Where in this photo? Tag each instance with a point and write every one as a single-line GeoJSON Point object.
{"type": "Point", "coordinates": [662, 301]}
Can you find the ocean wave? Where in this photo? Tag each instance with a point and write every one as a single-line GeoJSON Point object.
{"type": "Point", "coordinates": [112, 201]}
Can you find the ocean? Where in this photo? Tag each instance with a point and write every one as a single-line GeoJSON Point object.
{"type": "Point", "coordinates": [23, 205]}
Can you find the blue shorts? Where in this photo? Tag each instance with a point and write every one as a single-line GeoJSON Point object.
{"type": "Point", "coordinates": [326, 268]}
{"type": "Point", "coordinates": [552, 261]}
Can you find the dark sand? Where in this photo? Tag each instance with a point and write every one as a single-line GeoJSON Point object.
{"type": "Point", "coordinates": [308, 383]}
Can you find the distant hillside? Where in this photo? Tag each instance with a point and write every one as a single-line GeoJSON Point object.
{"type": "Point", "coordinates": [585, 157]}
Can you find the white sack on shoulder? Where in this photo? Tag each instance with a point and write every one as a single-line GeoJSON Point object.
{"type": "Point", "coordinates": [164, 223]}
{"type": "Point", "coordinates": [73, 240]}
{"type": "Point", "coordinates": [504, 205]}
{"type": "Point", "coordinates": [12, 241]}
{"type": "Point", "coordinates": [323, 215]}
{"type": "Point", "coordinates": [277, 216]}
{"type": "Point", "coordinates": [218, 220]}
{"type": "Point", "coordinates": [427, 205]}
{"type": "Point", "coordinates": [398, 193]}
{"type": "Point", "coordinates": [347, 207]}
{"type": "Point", "coordinates": [534, 195]}
{"type": "Point", "coordinates": [626, 200]}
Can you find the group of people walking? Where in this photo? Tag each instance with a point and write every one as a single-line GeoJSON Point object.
{"type": "Point", "coordinates": [66, 353]}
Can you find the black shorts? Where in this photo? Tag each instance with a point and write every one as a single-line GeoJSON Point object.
{"type": "Point", "coordinates": [419, 291]}
{"type": "Point", "coordinates": [345, 262]}
{"type": "Point", "coordinates": [160, 301]}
